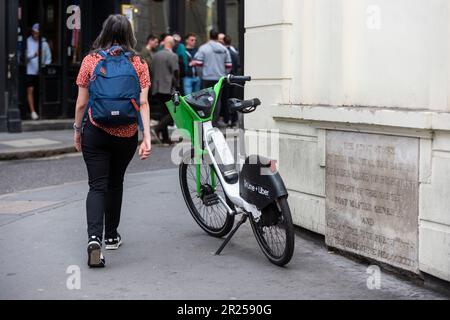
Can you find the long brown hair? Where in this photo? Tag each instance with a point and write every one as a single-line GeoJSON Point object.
{"type": "Point", "coordinates": [116, 30]}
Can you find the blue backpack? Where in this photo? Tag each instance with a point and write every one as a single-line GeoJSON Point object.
{"type": "Point", "coordinates": [114, 90]}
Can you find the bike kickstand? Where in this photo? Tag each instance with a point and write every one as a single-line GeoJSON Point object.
{"type": "Point", "coordinates": [231, 234]}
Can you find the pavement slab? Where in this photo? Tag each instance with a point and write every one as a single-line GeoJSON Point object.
{"type": "Point", "coordinates": [35, 144]}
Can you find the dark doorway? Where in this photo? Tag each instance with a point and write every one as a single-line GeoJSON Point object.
{"type": "Point", "coordinates": [46, 68]}
{"type": "Point", "coordinates": [51, 73]}
{"type": "Point", "coordinates": [28, 15]}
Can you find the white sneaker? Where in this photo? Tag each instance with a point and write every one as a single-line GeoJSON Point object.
{"type": "Point", "coordinates": [34, 116]}
{"type": "Point", "coordinates": [114, 243]}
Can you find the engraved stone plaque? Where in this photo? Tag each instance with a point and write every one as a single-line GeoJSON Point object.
{"type": "Point", "coordinates": [372, 196]}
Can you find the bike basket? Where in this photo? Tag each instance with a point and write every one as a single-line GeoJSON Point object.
{"type": "Point", "coordinates": [184, 118]}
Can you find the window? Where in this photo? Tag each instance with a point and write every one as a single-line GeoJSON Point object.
{"type": "Point", "coordinates": [73, 26]}
{"type": "Point", "coordinates": [50, 31]}
{"type": "Point", "coordinates": [150, 17]}
{"type": "Point", "coordinates": [232, 21]}
{"type": "Point", "coordinates": [201, 17]}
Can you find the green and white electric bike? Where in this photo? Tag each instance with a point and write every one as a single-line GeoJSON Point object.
{"type": "Point", "coordinates": [216, 187]}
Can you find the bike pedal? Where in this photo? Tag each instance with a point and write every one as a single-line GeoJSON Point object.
{"type": "Point", "coordinates": [211, 200]}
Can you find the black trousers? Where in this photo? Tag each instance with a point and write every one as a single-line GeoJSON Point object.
{"type": "Point", "coordinates": [107, 158]}
{"type": "Point", "coordinates": [166, 119]}
{"type": "Point", "coordinates": [232, 116]}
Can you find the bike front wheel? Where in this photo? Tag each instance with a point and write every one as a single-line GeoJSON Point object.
{"type": "Point", "coordinates": [274, 232]}
{"type": "Point", "coordinates": [211, 215]}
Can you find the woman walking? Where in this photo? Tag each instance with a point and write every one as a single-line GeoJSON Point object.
{"type": "Point", "coordinates": [113, 85]}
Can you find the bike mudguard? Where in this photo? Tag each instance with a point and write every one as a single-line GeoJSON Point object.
{"type": "Point", "coordinates": [259, 184]}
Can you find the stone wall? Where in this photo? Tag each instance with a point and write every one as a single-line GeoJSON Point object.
{"type": "Point", "coordinates": [372, 69]}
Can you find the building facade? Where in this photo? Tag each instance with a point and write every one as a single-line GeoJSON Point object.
{"type": "Point", "coordinates": [359, 92]}
{"type": "Point", "coordinates": [70, 27]}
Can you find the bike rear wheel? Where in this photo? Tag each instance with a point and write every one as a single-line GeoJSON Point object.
{"type": "Point", "coordinates": [213, 219]}
{"type": "Point", "coordinates": [275, 232]}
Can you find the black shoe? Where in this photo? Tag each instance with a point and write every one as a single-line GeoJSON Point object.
{"type": "Point", "coordinates": [167, 143]}
{"type": "Point", "coordinates": [95, 256]}
{"type": "Point", "coordinates": [113, 243]}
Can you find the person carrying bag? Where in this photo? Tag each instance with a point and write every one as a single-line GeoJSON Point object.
{"type": "Point", "coordinates": [112, 104]}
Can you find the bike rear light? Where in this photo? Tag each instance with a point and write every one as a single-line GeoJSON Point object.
{"type": "Point", "coordinates": [273, 166]}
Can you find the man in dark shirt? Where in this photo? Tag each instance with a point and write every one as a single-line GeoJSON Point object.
{"type": "Point", "coordinates": [231, 117]}
{"type": "Point", "coordinates": [149, 50]}
{"type": "Point", "coordinates": [165, 80]}
{"type": "Point", "coordinates": [191, 82]}
{"type": "Point", "coordinates": [234, 56]}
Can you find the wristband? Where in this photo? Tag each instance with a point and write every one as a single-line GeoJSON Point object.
{"type": "Point", "coordinates": [77, 129]}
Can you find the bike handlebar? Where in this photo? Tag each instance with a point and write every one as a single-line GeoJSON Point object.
{"type": "Point", "coordinates": [232, 78]}
{"type": "Point", "coordinates": [250, 103]}
{"type": "Point", "coordinates": [176, 101]}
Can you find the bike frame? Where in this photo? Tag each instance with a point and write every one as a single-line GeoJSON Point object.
{"type": "Point", "coordinates": [204, 137]}
{"type": "Point", "coordinates": [214, 137]}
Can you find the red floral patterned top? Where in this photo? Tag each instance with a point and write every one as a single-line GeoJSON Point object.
{"type": "Point", "coordinates": [87, 68]}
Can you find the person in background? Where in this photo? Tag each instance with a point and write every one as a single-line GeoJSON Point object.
{"type": "Point", "coordinates": [180, 51]}
{"type": "Point", "coordinates": [147, 53]}
{"type": "Point", "coordinates": [215, 61]}
{"type": "Point", "coordinates": [32, 59]}
{"type": "Point", "coordinates": [191, 82]}
{"type": "Point", "coordinates": [235, 60]}
{"type": "Point", "coordinates": [149, 50]}
{"type": "Point", "coordinates": [231, 118]}
{"type": "Point", "coordinates": [161, 42]}
{"type": "Point", "coordinates": [165, 75]}
{"type": "Point", "coordinates": [221, 38]}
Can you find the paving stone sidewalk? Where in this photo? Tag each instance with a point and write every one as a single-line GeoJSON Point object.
{"type": "Point", "coordinates": [165, 255]}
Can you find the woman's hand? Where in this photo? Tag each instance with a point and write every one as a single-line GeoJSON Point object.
{"type": "Point", "coordinates": [145, 149]}
{"type": "Point", "coordinates": [77, 141]}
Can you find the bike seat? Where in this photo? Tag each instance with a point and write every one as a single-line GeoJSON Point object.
{"type": "Point", "coordinates": [202, 101]}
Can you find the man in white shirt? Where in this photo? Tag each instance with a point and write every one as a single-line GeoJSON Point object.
{"type": "Point", "coordinates": [33, 65]}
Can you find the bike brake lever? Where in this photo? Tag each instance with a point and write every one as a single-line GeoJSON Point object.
{"type": "Point", "coordinates": [237, 85]}
{"type": "Point", "coordinates": [176, 101]}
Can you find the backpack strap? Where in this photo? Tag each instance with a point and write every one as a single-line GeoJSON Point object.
{"type": "Point", "coordinates": [97, 70]}
{"type": "Point", "coordinates": [85, 115]}
{"type": "Point", "coordinates": [133, 101]}
{"type": "Point", "coordinates": [115, 49]}
{"type": "Point", "coordinates": [138, 113]}
{"type": "Point", "coordinates": [103, 53]}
